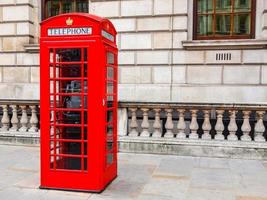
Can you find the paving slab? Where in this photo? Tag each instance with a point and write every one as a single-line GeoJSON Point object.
{"type": "Point", "coordinates": [142, 177]}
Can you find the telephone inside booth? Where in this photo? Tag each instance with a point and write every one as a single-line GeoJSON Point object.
{"type": "Point", "coordinates": [79, 87]}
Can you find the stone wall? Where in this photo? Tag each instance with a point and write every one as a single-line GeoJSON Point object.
{"type": "Point", "coordinates": [155, 64]}
{"type": "Point", "coordinates": [158, 60]}
{"type": "Point", "coordinates": [19, 70]}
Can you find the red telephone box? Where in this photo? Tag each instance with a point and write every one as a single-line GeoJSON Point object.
{"type": "Point", "coordinates": [78, 57]}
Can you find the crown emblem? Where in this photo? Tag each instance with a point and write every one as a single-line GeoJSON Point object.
{"type": "Point", "coordinates": [69, 21]}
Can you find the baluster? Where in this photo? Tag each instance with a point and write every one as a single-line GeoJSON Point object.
{"type": "Point", "coordinates": [33, 120]}
{"type": "Point", "coordinates": [232, 127]}
{"type": "Point", "coordinates": [169, 124]}
{"type": "Point", "coordinates": [133, 124]}
{"type": "Point", "coordinates": [246, 128]}
{"type": "Point", "coordinates": [145, 123]}
{"type": "Point", "coordinates": [24, 119]}
{"type": "Point", "coordinates": [181, 124]}
{"type": "Point", "coordinates": [193, 125]}
{"type": "Point", "coordinates": [259, 127]}
{"type": "Point", "coordinates": [157, 125]}
{"type": "Point", "coordinates": [5, 119]}
{"type": "Point", "coordinates": [14, 119]}
{"type": "Point", "coordinates": [206, 125]}
{"type": "Point", "coordinates": [219, 127]}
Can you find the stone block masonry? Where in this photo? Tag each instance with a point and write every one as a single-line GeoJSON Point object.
{"type": "Point", "coordinates": [19, 24]}
{"type": "Point", "coordinates": [154, 60]}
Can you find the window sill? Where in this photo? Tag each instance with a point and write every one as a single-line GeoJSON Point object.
{"type": "Point", "coordinates": [225, 44]}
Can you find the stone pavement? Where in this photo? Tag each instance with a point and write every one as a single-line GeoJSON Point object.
{"type": "Point", "coordinates": [141, 177]}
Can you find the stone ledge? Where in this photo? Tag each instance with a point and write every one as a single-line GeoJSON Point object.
{"type": "Point", "coordinates": [186, 147]}
{"type": "Point", "coordinates": [224, 44]}
{"type": "Point", "coordinates": [32, 48]}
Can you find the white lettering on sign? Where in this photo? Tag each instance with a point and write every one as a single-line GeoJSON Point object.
{"type": "Point", "coordinates": [107, 35]}
{"type": "Point", "coordinates": [69, 31]}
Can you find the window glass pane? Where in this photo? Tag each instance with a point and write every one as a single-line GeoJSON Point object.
{"type": "Point", "coordinates": [241, 24]}
{"type": "Point", "coordinates": [55, 7]}
{"type": "Point", "coordinates": [223, 24]}
{"type": "Point", "coordinates": [66, 6]}
{"type": "Point", "coordinates": [82, 6]}
{"type": "Point", "coordinates": [223, 6]}
{"type": "Point", "coordinates": [242, 5]}
{"type": "Point", "coordinates": [205, 25]}
{"type": "Point", "coordinates": [205, 6]}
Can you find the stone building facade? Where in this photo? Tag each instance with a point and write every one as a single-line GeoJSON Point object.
{"type": "Point", "coordinates": [174, 88]}
{"type": "Point", "coordinates": [159, 60]}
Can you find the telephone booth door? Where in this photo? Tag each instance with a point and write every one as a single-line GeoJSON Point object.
{"type": "Point", "coordinates": [78, 111]}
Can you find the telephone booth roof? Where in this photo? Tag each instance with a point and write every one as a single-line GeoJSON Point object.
{"type": "Point", "coordinates": [98, 26]}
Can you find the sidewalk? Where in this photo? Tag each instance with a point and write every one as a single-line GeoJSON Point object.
{"type": "Point", "coordinates": [142, 177]}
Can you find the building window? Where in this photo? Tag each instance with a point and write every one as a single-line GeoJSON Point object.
{"type": "Point", "coordinates": [56, 7]}
{"type": "Point", "coordinates": [224, 19]}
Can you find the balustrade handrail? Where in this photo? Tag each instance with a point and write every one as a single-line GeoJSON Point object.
{"type": "Point", "coordinates": [199, 106]}
{"type": "Point", "coordinates": [19, 102]}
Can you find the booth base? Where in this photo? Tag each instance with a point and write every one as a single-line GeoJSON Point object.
{"type": "Point", "coordinates": [77, 190]}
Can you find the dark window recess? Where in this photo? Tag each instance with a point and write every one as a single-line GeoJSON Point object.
{"type": "Point", "coordinates": [55, 7]}
{"type": "Point", "coordinates": [224, 19]}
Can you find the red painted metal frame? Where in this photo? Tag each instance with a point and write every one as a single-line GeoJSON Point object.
{"type": "Point", "coordinates": [99, 172]}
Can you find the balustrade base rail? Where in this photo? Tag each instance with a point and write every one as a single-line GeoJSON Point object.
{"type": "Point", "coordinates": [200, 148]}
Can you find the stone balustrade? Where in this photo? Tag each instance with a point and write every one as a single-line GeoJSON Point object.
{"type": "Point", "coordinates": [218, 122]}
{"type": "Point", "coordinates": [19, 118]}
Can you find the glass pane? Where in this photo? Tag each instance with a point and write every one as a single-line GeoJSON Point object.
{"type": "Point", "coordinates": [110, 88]}
{"type": "Point", "coordinates": [205, 25]}
{"type": "Point", "coordinates": [241, 24]}
{"type": "Point", "coordinates": [109, 145]}
{"type": "Point", "coordinates": [68, 55]}
{"type": "Point", "coordinates": [109, 158]}
{"type": "Point", "coordinates": [110, 58]}
{"type": "Point", "coordinates": [68, 163]}
{"type": "Point", "coordinates": [223, 6]}
{"type": "Point", "coordinates": [109, 116]}
{"type": "Point", "coordinates": [242, 5]}
{"type": "Point", "coordinates": [73, 133]}
{"type": "Point", "coordinates": [110, 73]}
{"type": "Point", "coordinates": [68, 86]}
{"type": "Point", "coordinates": [109, 130]}
{"type": "Point", "coordinates": [68, 117]}
{"type": "Point", "coordinates": [205, 6]}
{"type": "Point", "coordinates": [69, 148]}
{"type": "Point", "coordinates": [110, 98]}
{"type": "Point", "coordinates": [223, 24]}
